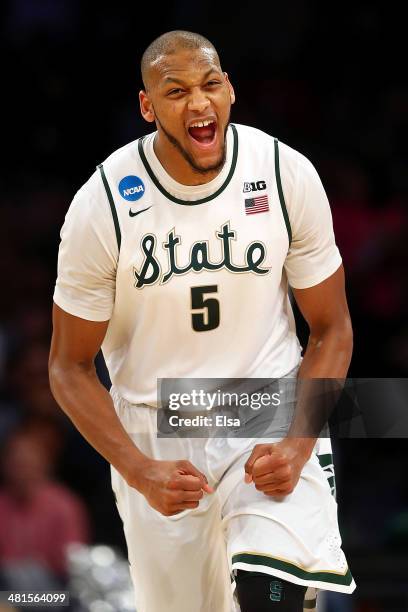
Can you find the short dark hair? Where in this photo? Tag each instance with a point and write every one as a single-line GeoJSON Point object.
{"type": "Point", "coordinates": [171, 42]}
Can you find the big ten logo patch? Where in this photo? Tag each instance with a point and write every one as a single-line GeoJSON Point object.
{"type": "Point", "coordinates": [258, 186]}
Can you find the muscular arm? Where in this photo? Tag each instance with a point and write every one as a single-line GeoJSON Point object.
{"type": "Point", "coordinates": [77, 389]}
{"type": "Point", "coordinates": [327, 355]}
{"type": "Point", "coordinates": [275, 468]}
{"type": "Point", "coordinates": [330, 344]}
{"type": "Point", "coordinates": [169, 486]}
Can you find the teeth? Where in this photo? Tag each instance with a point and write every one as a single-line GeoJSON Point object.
{"type": "Point", "coordinates": [202, 123]}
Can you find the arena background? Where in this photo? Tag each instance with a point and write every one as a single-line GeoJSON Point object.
{"type": "Point", "coordinates": [329, 80]}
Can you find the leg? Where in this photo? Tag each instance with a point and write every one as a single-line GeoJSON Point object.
{"type": "Point", "coordinates": [295, 538]}
{"type": "Point", "coordinates": [310, 603]}
{"type": "Point", "coordinates": [259, 592]}
{"type": "Point", "coordinates": [178, 563]}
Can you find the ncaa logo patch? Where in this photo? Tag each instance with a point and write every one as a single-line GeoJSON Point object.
{"type": "Point", "coordinates": [131, 188]}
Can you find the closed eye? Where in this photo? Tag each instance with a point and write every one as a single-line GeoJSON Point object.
{"type": "Point", "coordinates": [175, 91]}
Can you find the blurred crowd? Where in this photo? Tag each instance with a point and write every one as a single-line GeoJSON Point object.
{"type": "Point", "coordinates": [321, 84]}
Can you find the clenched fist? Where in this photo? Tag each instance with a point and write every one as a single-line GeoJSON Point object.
{"type": "Point", "coordinates": [275, 468]}
{"type": "Point", "coordinates": [172, 486]}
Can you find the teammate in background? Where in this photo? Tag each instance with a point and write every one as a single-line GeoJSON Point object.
{"type": "Point", "coordinates": [176, 257]}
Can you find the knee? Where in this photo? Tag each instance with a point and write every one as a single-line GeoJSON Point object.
{"type": "Point", "coordinates": [263, 593]}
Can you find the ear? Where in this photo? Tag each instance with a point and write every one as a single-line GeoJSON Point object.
{"type": "Point", "coordinates": [230, 87]}
{"type": "Point", "coordinates": [146, 107]}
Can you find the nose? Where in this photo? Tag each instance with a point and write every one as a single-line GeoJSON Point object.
{"type": "Point", "coordinates": [198, 101]}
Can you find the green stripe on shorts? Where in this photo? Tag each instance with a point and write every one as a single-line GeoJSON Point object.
{"type": "Point", "coordinates": [325, 460]}
{"type": "Point", "coordinates": [326, 463]}
{"type": "Point", "coordinates": [290, 568]}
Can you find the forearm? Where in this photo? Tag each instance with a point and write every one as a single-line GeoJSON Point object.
{"type": "Point", "coordinates": [328, 353]}
{"type": "Point", "coordinates": [320, 381]}
{"type": "Point", "coordinates": [90, 407]}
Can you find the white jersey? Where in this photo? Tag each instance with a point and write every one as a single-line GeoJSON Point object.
{"type": "Point", "coordinates": [194, 279]}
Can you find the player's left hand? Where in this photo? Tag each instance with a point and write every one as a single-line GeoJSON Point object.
{"type": "Point", "coordinates": [275, 468]}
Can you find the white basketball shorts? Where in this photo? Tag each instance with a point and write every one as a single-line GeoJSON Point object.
{"type": "Point", "coordinates": [186, 562]}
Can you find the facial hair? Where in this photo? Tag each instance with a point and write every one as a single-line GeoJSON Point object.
{"type": "Point", "coordinates": [189, 159]}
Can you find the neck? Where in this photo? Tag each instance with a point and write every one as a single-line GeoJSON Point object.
{"type": "Point", "coordinates": [177, 166]}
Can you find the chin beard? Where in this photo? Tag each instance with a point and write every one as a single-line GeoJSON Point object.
{"type": "Point", "coordinates": [189, 159]}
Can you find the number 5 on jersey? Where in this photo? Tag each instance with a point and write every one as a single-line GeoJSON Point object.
{"type": "Point", "coordinates": [210, 317]}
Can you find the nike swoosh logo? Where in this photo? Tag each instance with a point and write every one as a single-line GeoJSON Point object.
{"type": "Point", "coordinates": [133, 214]}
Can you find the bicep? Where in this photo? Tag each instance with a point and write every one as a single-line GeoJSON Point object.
{"type": "Point", "coordinates": [324, 305]}
{"type": "Point", "coordinates": [75, 341]}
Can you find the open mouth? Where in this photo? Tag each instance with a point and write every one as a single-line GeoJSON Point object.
{"type": "Point", "coordinates": [203, 132]}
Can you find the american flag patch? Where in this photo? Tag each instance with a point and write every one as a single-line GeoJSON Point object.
{"type": "Point", "coordinates": [256, 205]}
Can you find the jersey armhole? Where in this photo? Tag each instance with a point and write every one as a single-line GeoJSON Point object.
{"type": "Point", "coordinates": [111, 204]}
{"type": "Point", "coordinates": [280, 192]}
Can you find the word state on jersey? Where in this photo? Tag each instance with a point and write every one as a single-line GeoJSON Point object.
{"type": "Point", "coordinates": [237, 230]}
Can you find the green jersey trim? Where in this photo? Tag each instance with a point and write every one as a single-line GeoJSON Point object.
{"type": "Point", "coordinates": [280, 192]}
{"type": "Point", "coordinates": [191, 202]}
{"type": "Point", "coordinates": [112, 205]}
{"type": "Point", "coordinates": [283, 565]}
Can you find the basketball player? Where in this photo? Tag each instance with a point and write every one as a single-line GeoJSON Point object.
{"type": "Point", "coordinates": [176, 258]}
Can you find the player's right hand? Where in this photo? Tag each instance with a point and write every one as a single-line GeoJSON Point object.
{"type": "Point", "coordinates": [172, 486]}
